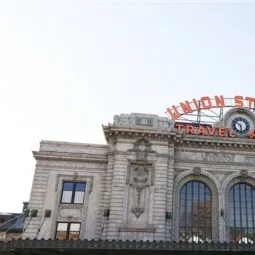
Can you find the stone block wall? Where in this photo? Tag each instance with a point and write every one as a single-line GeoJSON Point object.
{"type": "Point", "coordinates": [133, 182]}
{"type": "Point", "coordinates": [58, 162]}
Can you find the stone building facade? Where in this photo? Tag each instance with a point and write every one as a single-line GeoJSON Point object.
{"type": "Point", "coordinates": [151, 181]}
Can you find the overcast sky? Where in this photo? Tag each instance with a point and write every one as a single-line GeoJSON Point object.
{"type": "Point", "coordinates": [66, 67]}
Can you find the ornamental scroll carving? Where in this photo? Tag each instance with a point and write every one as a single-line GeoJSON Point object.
{"type": "Point", "coordinates": [140, 177]}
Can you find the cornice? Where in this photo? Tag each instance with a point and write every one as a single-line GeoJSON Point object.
{"type": "Point", "coordinates": [171, 135]}
{"type": "Point", "coordinates": [52, 167]}
{"type": "Point", "coordinates": [224, 144]}
{"type": "Point", "coordinates": [113, 131]}
{"type": "Point", "coordinates": [224, 149]}
{"type": "Point", "coordinates": [77, 157]}
{"type": "Point", "coordinates": [209, 162]}
{"type": "Point", "coordinates": [73, 144]}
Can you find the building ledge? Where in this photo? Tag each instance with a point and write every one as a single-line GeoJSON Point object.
{"type": "Point", "coordinates": [77, 157]}
{"type": "Point", "coordinates": [148, 228]}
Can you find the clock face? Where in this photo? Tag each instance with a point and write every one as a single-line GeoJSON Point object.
{"type": "Point", "coordinates": [240, 125]}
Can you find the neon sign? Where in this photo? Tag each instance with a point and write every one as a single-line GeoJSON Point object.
{"type": "Point", "coordinates": [209, 131]}
{"type": "Point", "coordinates": [207, 103]}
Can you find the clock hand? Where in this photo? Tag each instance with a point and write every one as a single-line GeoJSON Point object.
{"type": "Point", "coordinates": [240, 126]}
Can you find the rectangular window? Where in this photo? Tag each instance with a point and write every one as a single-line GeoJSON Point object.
{"type": "Point", "coordinates": [68, 230]}
{"type": "Point", "coordinates": [73, 192]}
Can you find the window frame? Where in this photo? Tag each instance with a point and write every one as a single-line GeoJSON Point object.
{"type": "Point", "coordinates": [68, 229]}
{"type": "Point", "coordinates": [73, 192]}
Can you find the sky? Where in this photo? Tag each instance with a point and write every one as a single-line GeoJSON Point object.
{"type": "Point", "coordinates": [67, 67]}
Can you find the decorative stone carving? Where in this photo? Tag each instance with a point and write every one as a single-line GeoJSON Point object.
{"type": "Point", "coordinates": [197, 170]}
{"type": "Point", "coordinates": [140, 177]}
{"type": "Point", "coordinates": [142, 147]}
{"type": "Point", "coordinates": [138, 211]}
{"type": "Point", "coordinates": [143, 121]}
{"type": "Point", "coordinates": [244, 174]}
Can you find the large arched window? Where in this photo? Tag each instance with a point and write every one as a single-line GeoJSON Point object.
{"type": "Point", "coordinates": [195, 212]}
{"type": "Point", "coordinates": [241, 204]}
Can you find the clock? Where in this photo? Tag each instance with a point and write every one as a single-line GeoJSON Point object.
{"type": "Point", "coordinates": [240, 125]}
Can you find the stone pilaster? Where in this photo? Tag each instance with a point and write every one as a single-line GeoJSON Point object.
{"type": "Point", "coordinates": [222, 217]}
{"type": "Point", "coordinates": [160, 190]}
{"type": "Point", "coordinates": [169, 194]}
{"type": "Point", "coordinates": [36, 202]}
{"type": "Point", "coordinates": [160, 185]}
{"type": "Point", "coordinates": [107, 183]}
{"type": "Point", "coordinates": [117, 195]}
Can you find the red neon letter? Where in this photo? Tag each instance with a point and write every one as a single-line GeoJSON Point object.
{"type": "Point", "coordinates": [252, 134]}
{"type": "Point", "coordinates": [250, 101]}
{"type": "Point", "coordinates": [211, 131]}
{"type": "Point", "coordinates": [186, 108]}
{"type": "Point", "coordinates": [231, 133]}
{"type": "Point", "coordinates": [179, 127]}
{"type": "Point", "coordinates": [190, 129]}
{"type": "Point", "coordinates": [221, 131]}
{"type": "Point", "coordinates": [174, 115]}
{"type": "Point", "coordinates": [238, 101]}
{"type": "Point", "coordinates": [201, 130]}
{"type": "Point", "coordinates": [206, 103]}
{"type": "Point", "coordinates": [220, 102]}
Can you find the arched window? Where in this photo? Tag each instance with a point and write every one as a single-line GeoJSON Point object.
{"type": "Point", "coordinates": [195, 212]}
{"type": "Point", "coordinates": [241, 204]}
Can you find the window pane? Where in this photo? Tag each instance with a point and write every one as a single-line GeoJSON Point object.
{"type": "Point", "coordinates": [75, 227]}
{"type": "Point", "coordinates": [74, 233]}
{"type": "Point", "coordinates": [183, 193]}
{"type": "Point", "coordinates": [68, 186]}
{"type": "Point", "coordinates": [78, 197]}
{"type": "Point", "coordinates": [66, 196]}
{"type": "Point", "coordinates": [80, 186]}
{"type": "Point", "coordinates": [195, 187]}
{"type": "Point", "coordinates": [61, 231]}
{"type": "Point", "coordinates": [241, 214]}
{"type": "Point", "coordinates": [196, 213]}
{"type": "Point", "coordinates": [62, 226]}
{"type": "Point", "coordinates": [182, 219]}
{"type": "Point", "coordinates": [61, 235]}
{"type": "Point", "coordinates": [182, 204]}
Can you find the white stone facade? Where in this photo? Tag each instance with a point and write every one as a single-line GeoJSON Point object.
{"type": "Point", "coordinates": [134, 182]}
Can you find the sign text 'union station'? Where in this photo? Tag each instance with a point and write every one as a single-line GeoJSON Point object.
{"type": "Point", "coordinates": [207, 103]}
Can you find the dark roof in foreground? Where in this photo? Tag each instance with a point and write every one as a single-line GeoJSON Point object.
{"type": "Point", "coordinates": [36, 247]}
{"type": "Point", "coordinates": [13, 222]}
